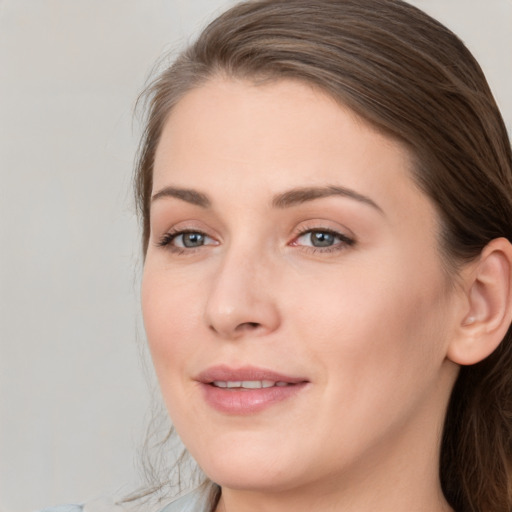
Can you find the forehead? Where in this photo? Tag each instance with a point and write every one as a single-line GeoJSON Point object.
{"type": "Point", "coordinates": [277, 133]}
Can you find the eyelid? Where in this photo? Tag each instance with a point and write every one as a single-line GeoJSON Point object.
{"type": "Point", "coordinates": [345, 239]}
{"type": "Point", "coordinates": [337, 234]}
{"type": "Point", "coordinates": [344, 236]}
{"type": "Point", "coordinates": [166, 239]}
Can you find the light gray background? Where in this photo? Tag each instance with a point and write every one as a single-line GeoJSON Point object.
{"type": "Point", "coordinates": [73, 397]}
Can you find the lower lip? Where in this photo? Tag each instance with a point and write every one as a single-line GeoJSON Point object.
{"type": "Point", "coordinates": [248, 401]}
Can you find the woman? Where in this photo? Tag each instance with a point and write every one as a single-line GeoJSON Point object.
{"type": "Point", "coordinates": [325, 191]}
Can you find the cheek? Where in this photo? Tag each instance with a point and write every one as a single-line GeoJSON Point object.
{"type": "Point", "coordinates": [374, 332]}
{"type": "Point", "coordinates": [378, 357]}
{"type": "Point", "coordinates": [171, 317]}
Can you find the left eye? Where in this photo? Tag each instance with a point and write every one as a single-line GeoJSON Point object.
{"type": "Point", "coordinates": [322, 239]}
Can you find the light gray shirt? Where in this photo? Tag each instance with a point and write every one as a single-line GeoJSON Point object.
{"type": "Point", "coordinates": [190, 502]}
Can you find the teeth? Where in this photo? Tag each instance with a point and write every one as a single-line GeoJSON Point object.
{"type": "Point", "coordinates": [248, 384]}
{"type": "Point", "coordinates": [252, 384]}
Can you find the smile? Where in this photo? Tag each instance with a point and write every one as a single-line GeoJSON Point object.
{"type": "Point", "coordinates": [247, 390]}
{"type": "Point", "coordinates": [248, 384]}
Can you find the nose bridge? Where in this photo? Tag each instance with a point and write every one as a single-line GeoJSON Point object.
{"type": "Point", "coordinates": [240, 299]}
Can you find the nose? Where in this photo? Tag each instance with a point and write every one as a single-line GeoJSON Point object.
{"type": "Point", "coordinates": [241, 301]}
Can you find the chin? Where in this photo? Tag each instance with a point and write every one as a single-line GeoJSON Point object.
{"type": "Point", "coordinates": [252, 468]}
{"type": "Point", "coordinates": [261, 478]}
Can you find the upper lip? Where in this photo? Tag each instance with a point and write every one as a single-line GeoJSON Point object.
{"type": "Point", "coordinates": [246, 373]}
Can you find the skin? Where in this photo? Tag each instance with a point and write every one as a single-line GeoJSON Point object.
{"type": "Point", "coordinates": [367, 323]}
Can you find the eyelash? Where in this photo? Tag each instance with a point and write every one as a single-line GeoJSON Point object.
{"type": "Point", "coordinates": [169, 237]}
{"type": "Point", "coordinates": [344, 241]}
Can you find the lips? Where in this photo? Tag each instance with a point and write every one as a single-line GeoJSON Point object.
{"type": "Point", "coordinates": [246, 390]}
{"type": "Point", "coordinates": [224, 373]}
{"type": "Point", "coordinates": [248, 384]}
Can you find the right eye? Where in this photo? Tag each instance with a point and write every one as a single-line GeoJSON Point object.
{"type": "Point", "coordinates": [183, 240]}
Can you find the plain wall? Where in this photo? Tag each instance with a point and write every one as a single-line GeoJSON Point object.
{"type": "Point", "coordinates": [73, 396]}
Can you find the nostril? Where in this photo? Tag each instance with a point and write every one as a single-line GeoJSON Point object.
{"type": "Point", "coordinates": [248, 326]}
{"type": "Point", "coordinates": [245, 326]}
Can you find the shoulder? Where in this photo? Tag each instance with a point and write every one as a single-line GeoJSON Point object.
{"type": "Point", "coordinates": [96, 505]}
{"type": "Point", "coordinates": [195, 501]}
{"type": "Point", "coordinates": [192, 502]}
{"type": "Point", "coordinates": [64, 508]}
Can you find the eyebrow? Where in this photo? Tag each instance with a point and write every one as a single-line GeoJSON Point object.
{"type": "Point", "coordinates": [185, 194]}
{"type": "Point", "coordinates": [298, 196]}
{"type": "Point", "coordinates": [286, 199]}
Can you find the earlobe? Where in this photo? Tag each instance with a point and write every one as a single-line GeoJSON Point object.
{"type": "Point", "coordinates": [488, 314]}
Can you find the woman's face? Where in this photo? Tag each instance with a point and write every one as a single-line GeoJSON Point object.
{"type": "Point", "coordinates": [293, 294]}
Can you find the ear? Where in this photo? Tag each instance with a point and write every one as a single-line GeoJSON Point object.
{"type": "Point", "coordinates": [487, 312]}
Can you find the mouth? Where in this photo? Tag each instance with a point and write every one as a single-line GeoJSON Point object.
{"type": "Point", "coordinates": [248, 384]}
{"type": "Point", "coordinates": [247, 390]}
{"type": "Point", "coordinates": [247, 377]}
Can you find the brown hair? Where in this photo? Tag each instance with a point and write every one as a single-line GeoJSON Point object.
{"type": "Point", "coordinates": [409, 76]}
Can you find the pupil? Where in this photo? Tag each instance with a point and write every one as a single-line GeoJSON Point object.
{"type": "Point", "coordinates": [193, 239]}
{"type": "Point", "coordinates": [322, 239]}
